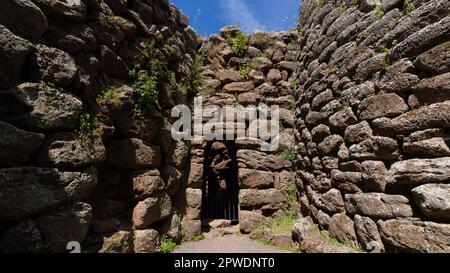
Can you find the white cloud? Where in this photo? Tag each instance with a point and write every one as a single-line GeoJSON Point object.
{"type": "Point", "coordinates": [239, 13]}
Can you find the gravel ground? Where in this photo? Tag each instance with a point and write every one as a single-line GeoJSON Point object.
{"type": "Point", "coordinates": [227, 244]}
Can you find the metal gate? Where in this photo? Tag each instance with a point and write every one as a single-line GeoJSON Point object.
{"type": "Point", "coordinates": [220, 182]}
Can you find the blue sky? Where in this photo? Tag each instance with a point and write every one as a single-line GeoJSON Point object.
{"type": "Point", "coordinates": [208, 16]}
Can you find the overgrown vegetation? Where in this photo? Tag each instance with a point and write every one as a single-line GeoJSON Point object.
{"type": "Point", "coordinates": [288, 154]}
{"type": "Point", "coordinates": [239, 43]}
{"type": "Point", "coordinates": [145, 86]}
{"type": "Point", "coordinates": [145, 82]}
{"type": "Point", "coordinates": [88, 130]}
{"type": "Point", "coordinates": [178, 87]}
{"type": "Point", "coordinates": [167, 244]}
{"type": "Point", "coordinates": [196, 73]}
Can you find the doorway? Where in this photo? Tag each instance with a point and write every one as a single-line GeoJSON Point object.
{"type": "Point", "coordinates": [220, 187]}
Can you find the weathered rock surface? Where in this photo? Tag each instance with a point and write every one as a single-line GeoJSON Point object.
{"type": "Point", "coordinates": [151, 210]}
{"type": "Point", "coordinates": [146, 241]}
{"type": "Point", "coordinates": [252, 179]}
{"type": "Point", "coordinates": [66, 224]}
{"type": "Point", "coordinates": [378, 205]}
{"type": "Point", "coordinates": [386, 105]}
{"type": "Point", "coordinates": [29, 191]}
{"type": "Point", "coordinates": [342, 228]}
{"type": "Point", "coordinates": [368, 235]}
{"type": "Point", "coordinates": [13, 53]}
{"type": "Point", "coordinates": [306, 234]}
{"type": "Point", "coordinates": [433, 200]}
{"type": "Point", "coordinates": [132, 154]}
{"type": "Point", "coordinates": [74, 10]}
{"type": "Point", "coordinates": [52, 65]}
{"type": "Point", "coordinates": [23, 18]}
{"type": "Point", "coordinates": [146, 183]}
{"type": "Point", "coordinates": [37, 107]}
{"type": "Point", "coordinates": [17, 146]}
{"type": "Point", "coordinates": [420, 171]}
{"type": "Point", "coordinates": [249, 220]}
{"type": "Point", "coordinates": [24, 237]}
{"type": "Point", "coordinates": [249, 198]}
{"type": "Point", "coordinates": [261, 161]}
{"type": "Point", "coordinates": [64, 150]}
{"type": "Point", "coordinates": [410, 236]}
{"type": "Point", "coordinates": [119, 242]}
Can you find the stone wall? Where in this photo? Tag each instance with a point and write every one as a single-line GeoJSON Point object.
{"type": "Point", "coordinates": [373, 118]}
{"type": "Point", "coordinates": [77, 156]}
{"type": "Point", "coordinates": [262, 74]}
{"type": "Point", "coordinates": [87, 88]}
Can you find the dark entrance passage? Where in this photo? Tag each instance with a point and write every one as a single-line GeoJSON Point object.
{"type": "Point", "coordinates": [220, 182]}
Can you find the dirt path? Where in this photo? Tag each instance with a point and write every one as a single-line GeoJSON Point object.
{"type": "Point", "coordinates": [227, 244]}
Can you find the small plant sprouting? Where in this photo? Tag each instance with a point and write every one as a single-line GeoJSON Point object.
{"type": "Point", "coordinates": [378, 12]}
{"type": "Point", "coordinates": [294, 85]}
{"type": "Point", "coordinates": [178, 87]}
{"type": "Point", "coordinates": [88, 130]}
{"type": "Point", "coordinates": [156, 60]}
{"type": "Point", "coordinates": [342, 8]}
{"type": "Point", "coordinates": [288, 154]}
{"type": "Point", "coordinates": [167, 244]}
{"type": "Point", "coordinates": [359, 79]}
{"type": "Point", "coordinates": [382, 49]}
{"type": "Point", "coordinates": [146, 92]}
{"type": "Point", "coordinates": [110, 95]}
{"type": "Point", "coordinates": [319, 4]}
{"type": "Point", "coordinates": [196, 73]}
{"type": "Point", "coordinates": [115, 20]}
{"type": "Point", "coordinates": [292, 104]}
{"type": "Point", "coordinates": [239, 43]}
{"type": "Point", "coordinates": [331, 69]}
{"type": "Point", "coordinates": [354, 2]}
{"type": "Point", "coordinates": [244, 71]}
{"type": "Point", "coordinates": [408, 7]}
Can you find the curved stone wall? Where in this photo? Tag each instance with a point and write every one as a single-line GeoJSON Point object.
{"type": "Point", "coordinates": [372, 119]}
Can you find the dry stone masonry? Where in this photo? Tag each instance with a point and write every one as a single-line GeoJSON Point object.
{"type": "Point", "coordinates": [86, 93]}
{"type": "Point", "coordinates": [372, 120]}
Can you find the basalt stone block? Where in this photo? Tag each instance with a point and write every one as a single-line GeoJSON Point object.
{"type": "Point", "coordinates": [415, 236]}
{"type": "Point", "coordinates": [378, 205]}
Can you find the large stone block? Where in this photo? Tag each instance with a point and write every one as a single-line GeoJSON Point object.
{"type": "Point", "coordinates": [416, 236]}
{"type": "Point", "coordinates": [38, 107]}
{"type": "Point", "coordinates": [29, 191]}
{"type": "Point", "coordinates": [378, 205]}
{"type": "Point", "coordinates": [420, 171]}
{"type": "Point", "coordinates": [252, 198]}
{"type": "Point", "coordinates": [151, 210]}
{"type": "Point", "coordinates": [255, 179]}
{"type": "Point", "coordinates": [132, 154]}
{"type": "Point", "coordinates": [433, 200]}
{"type": "Point", "coordinates": [17, 146]}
